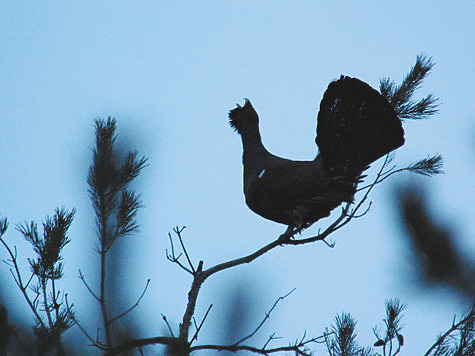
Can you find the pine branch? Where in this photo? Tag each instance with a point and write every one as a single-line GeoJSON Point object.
{"type": "Point", "coordinates": [115, 206]}
{"type": "Point", "coordinates": [47, 268]}
{"type": "Point", "coordinates": [428, 166]}
{"type": "Point", "coordinates": [127, 210]}
{"type": "Point", "coordinates": [393, 328]}
{"type": "Point", "coordinates": [132, 167]}
{"type": "Point", "coordinates": [15, 271]}
{"type": "Point", "coordinates": [342, 340]}
{"type": "Point", "coordinates": [466, 327]}
{"type": "Point", "coordinates": [399, 96]}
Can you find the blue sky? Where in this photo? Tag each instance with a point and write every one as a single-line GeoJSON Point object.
{"type": "Point", "coordinates": [170, 72]}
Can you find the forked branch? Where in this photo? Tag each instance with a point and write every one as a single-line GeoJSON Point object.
{"type": "Point", "coordinates": [266, 317]}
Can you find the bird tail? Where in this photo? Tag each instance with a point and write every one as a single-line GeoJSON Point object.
{"type": "Point", "coordinates": [356, 126]}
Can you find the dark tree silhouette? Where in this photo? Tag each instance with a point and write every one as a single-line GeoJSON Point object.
{"type": "Point", "coordinates": [440, 263]}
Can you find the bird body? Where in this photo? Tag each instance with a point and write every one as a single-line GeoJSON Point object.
{"type": "Point", "coordinates": [356, 126]}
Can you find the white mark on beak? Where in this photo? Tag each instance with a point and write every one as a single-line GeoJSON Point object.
{"type": "Point", "coordinates": [262, 173]}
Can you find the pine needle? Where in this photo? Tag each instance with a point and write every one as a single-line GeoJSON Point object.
{"type": "Point", "coordinates": [399, 96]}
{"type": "Point", "coordinates": [428, 166]}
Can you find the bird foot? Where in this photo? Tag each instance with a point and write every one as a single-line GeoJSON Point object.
{"type": "Point", "coordinates": [287, 235]}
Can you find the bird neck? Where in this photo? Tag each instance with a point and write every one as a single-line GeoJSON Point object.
{"type": "Point", "coordinates": [254, 152]}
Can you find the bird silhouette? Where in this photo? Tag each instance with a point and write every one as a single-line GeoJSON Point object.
{"type": "Point", "coordinates": [356, 125]}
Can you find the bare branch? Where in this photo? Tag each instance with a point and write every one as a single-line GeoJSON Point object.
{"type": "Point", "coordinates": [168, 325]}
{"type": "Point", "coordinates": [178, 233]}
{"type": "Point", "coordinates": [364, 212]}
{"type": "Point", "coordinates": [176, 259]}
{"type": "Point", "coordinates": [201, 276]}
{"type": "Point", "coordinates": [195, 337]}
{"type": "Point", "coordinates": [94, 343]}
{"type": "Point", "coordinates": [271, 337]}
{"type": "Point", "coordinates": [82, 278]}
{"type": "Point", "coordinates": [236, 348]}
{"type": "Point", "coordinates": [198, 280]}
{"type": "Point", "coordinates": [29, 280]}
{"type": "Point", "coordinates": [266, 317]}
{"type": "Point", "coordinates": [135, 343]}
{"type": "Point", "coordinates": [284, 239]}
{"type": "Point", "coordinates": [337, 224]}
{"type": "Point", "coordinates": [18, 280]}
{"type": "Point", "coordinates": [133, 306]}
{"type": "Point", "coordinates": [299, 347]}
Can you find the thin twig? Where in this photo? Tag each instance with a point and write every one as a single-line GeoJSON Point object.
{"type": "Point", "coordinates": [133, 306]}
{"type": "Point", "coordinates": [266, 317]}
{"type": "Point", "coordinates": [82, 278]}
{"type": "Point", "coordinates": [29, 280]}
{"type": "Point", "coordinates": [383, 177]}
{"type": "Point", "coordinates": [168, 325]}
{"type": "Point", "coordinates": [178, 232]}
{"type": "Point", "coordinates": [364, 212]}
{"type": "Point", "coordinates": [19, 282]}
{"type": "Point", "coordinates": [176, 259]}
{"type": "Point", "coordinates": [15, 278]}
{"type": "Point", "coordinates": [194, 323]}
{"type": "Point", "coordinates": [195, 337]}
{"type": "Point", "coordinates": [271, 337]}
{"type": "Point", "coordinates": [398, 348]}
{"type": "Point", "coordinates": [172, 257]}
{"type": "Point", "coordinates": [387, 160]}
{"type": "Point", "coordinates": [94, 343]}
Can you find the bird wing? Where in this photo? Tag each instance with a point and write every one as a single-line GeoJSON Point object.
{"type": "Point", "coordinates": [281, 191]}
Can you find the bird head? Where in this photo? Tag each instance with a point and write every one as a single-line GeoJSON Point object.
{"type": "Point", "coordinates": [243, 117]}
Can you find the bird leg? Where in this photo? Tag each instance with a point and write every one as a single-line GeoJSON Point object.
{"type": "Point", "coordinates": [287, 235]}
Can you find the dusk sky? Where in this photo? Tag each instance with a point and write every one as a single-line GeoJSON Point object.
{"type": "Point", "coordinates": [169, 72]}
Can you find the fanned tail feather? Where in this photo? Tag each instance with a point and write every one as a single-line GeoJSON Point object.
{"type": "Point", "coordinates": [356, 126]}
